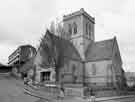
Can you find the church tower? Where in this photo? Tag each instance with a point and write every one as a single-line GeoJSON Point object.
{"type": "Point", "coordinates": [80, 29]}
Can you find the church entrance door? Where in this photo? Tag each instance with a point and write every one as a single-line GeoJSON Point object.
{"type": "Point", "coordinates": [45, 76]}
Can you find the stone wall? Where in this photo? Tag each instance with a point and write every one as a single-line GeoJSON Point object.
{"type": "Point", "coordinates": [71, 72]}
{"type": "Point", "coordinates": [100, 73]}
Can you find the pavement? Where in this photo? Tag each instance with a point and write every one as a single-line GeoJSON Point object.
{"type": "Point", "coordinates": [13, 90]}
{"type": "Point", "coordinates": [105, 98]}
{"type": "Point", "coordinates": [50, 97]}
{"type": "Point", "coordinates": [10, 92]}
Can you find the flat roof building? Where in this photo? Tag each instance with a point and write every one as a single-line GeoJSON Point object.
{"type": "Point", "coordinates": [21, 55]}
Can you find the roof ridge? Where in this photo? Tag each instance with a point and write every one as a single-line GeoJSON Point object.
{"type": "Point", "coordinates": [111, 39]}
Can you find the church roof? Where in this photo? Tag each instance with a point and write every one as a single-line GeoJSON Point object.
{"type": "Point", "coordinates": [100, 50]}
{"type": "Point", "coordinates": [51, 47]}
{"type": "Point", "coordinates": [65, 47]}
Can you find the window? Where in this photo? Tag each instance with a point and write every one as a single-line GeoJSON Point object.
{"type": "Point", "coordinates": [89, 31]}
{"type": "Point", "coordinates": [73, 69]}
{"type": "Point", "coordinates": [69, 29]}
{"type": "Point", "coordinates": [75, 28]}
{"type": "Point", "coordinates": [109, 75]}
{"type": "Point", "coordinates": [45, 76]}
{"type": "Point", "coordinates": [86, 28]}
{"type": "Point", "coordinates": [74, 77]}
{"type": "Point", "coordinates": [93, 69]}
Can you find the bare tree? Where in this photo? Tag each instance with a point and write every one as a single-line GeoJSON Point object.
{"type": "Point", "coordinates": [58, 29]}
{"type": "Point", "coordinates": [51, 52]}
{"type": "Point", "coordinates": [51, 48]}
{"type": "Point", "coordinates": [52, 27]}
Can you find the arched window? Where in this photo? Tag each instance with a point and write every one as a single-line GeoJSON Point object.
{"type": "Point", "coordinates": [89, 30]}
{"type": "Point", "coordinates": [86, 28]}
{"type": "Point", "coordinates": [109, 75]}
{"type": "Point", "coordinates": [69, 29]}
{"type": "Point", "coordinates": [73, 69]}
{"type": "Point", "coordinates": [75, 28]}
{"type": "Point", "coordinates": [74, 76]}
{"type": "Point", "coordinates": [93, 69]}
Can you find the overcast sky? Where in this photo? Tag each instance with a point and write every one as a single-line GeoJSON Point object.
{"type": "Point", "coordinates": [24, 21]}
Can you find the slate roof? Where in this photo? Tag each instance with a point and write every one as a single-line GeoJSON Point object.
{"type": "Point", "coordinates": [96, 50]}
{"type": "Point", "coordinates": [54, 46]}
{"type": "Point", "coordinates": [99, 50]}
{"type": "Point", "coordinates": [65, 47]}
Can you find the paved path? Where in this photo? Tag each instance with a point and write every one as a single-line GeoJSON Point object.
{"type": "Point", "coordinates": [122, 100]}
{"type": "Point", "coordinates": [10, 92]}
{"type": "Point", "coordinates": [18, 95]}
{"type": "Point", "coordinates": [129, 98]}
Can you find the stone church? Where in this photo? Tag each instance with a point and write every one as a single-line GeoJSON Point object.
{"type": "Point", "coordinates": [79, 60]}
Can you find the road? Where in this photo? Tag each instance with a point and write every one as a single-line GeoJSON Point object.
{"type": "Point", "coordinates": [10, 92]}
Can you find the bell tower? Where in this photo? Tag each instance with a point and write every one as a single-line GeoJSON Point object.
{"type": "Point", "coordinates": [80, 28]}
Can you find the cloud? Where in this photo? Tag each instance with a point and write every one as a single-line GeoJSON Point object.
{"type": "Point", "coordinates": [121, 25]}
{"type": "Point", "coordinates": [24, 21]}
{"type": "Point", "coordinates": [6, 49]}
{"type": "Point", "coordinates": [113, 18]}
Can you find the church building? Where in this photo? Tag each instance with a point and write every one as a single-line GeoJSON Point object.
{"type": "Point", "coordinates": [79, 60]}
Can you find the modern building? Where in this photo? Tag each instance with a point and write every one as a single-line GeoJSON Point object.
{"type": "Point", "coordinates": [21, 55]}
{"type": "Point", "coordinates": [79, 61]}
